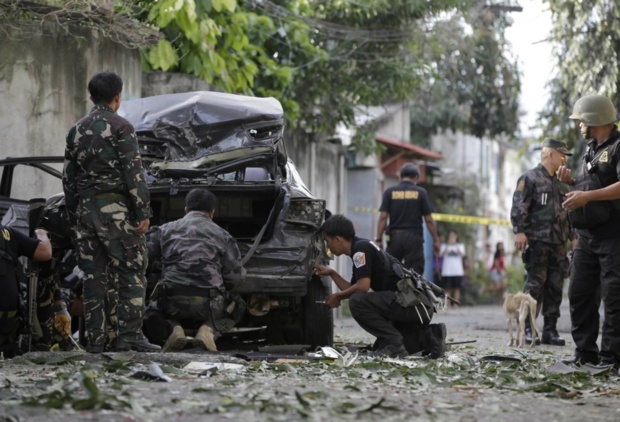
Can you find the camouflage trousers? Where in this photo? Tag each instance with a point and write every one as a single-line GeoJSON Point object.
{"type": "Point", "coordinates": [113, 257]}
{"type": "Point", "coordinates": [546, 267]}
{"type": "Point", "coordinates": [191, 307]}
{"type": "Point", "coordinates": [206, 310]}
{"type": "Point", "coordinates": [45, 299]}
{"type": "Point", "coordinates": [48, 284]}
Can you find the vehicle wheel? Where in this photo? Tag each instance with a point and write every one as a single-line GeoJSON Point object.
{"type": "Point", "coordinates": [318, 319]}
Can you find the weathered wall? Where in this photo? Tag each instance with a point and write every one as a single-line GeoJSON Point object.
{"type": "Point", "coordinates": [321, 165]}
{"type": "Point", "coordinates": [495, 165]}
{"type": "Point", "coordinates": [159, 83]}
{"type": "Point", "coordinates": [43, 86]}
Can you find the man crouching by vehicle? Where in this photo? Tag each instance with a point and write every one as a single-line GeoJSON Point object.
{"type": "Point", "coordinates": [378, 311]}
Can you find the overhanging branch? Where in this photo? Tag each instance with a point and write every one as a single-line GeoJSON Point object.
{"type": "Point", "coordinates": [23, 19]}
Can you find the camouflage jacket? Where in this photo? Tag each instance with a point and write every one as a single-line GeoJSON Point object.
{"type": "Point", "coordinates": [196, 252]}
{"type": "Point", "coordinates": [537, 207]}
{"type": "Point", "coordinates": [102, 155]}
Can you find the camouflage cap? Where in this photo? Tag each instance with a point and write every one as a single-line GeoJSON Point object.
{"type": "Point", "coordinates": [556, 145]}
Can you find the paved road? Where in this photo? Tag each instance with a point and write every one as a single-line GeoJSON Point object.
{"type": "Point", "coordinates": [485, 324]}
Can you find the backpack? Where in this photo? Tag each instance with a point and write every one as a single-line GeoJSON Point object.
{"type": "Point", "coordinates": [412, 288]}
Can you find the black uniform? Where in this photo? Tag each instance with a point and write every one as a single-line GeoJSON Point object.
{"type": "Point", "coordinates": [596, 263]}
{"type": "Point", "coordinates": [406, 204]}
{"type": "Point", "coordinates": [378, 312]}
{"type": "Point", "coordinates": [13, 244]}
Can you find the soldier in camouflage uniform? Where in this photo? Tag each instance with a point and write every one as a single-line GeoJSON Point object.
{"type": "Point", "coordinates": [201, 264]}
{"type": "Point", "coordinates": [108, 201]}
{"type": "Point", "coordinates": [542, 232]}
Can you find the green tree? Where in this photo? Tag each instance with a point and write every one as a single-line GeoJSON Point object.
{"type": "Point", "coordinates": [474, 82]}
{"type": "Point", "coordinates": [323, 59]}
{"type": "Point", "coordinates": [586, 37]}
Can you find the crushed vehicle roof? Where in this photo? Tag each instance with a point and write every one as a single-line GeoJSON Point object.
{"type": "Point", "coordinates": [202, 123]}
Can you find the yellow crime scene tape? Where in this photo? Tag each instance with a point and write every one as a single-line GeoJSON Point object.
{"type": "Point", "coordinates": [452, 218]}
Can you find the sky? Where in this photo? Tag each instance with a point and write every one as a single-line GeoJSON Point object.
{"type": "Point", "coordinates": [527, 35]}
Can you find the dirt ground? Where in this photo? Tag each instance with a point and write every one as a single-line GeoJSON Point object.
{"type": "Point", "coordinates": [480, 381]}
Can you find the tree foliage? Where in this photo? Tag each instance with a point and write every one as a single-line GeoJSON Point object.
{"type": "Point", "coordinates": [322, 59]}
{"type": "Point", "coordinates": [327, 59]}
{"type": "Point", "coordinates": [586, 36]}
{"type": "Point", "coordinates": [474, 82]}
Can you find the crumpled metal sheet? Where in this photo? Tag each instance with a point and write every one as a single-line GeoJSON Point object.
{"type": "Point", "coordinates": [202, 123]}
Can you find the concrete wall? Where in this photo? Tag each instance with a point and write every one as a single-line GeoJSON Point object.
{"type": "Point", "coordinates": [495, 165]}
{"type": "Point", "coordinates": [43, 86]}
{"type": "Point", "coordinates": [159, 83]}
{"type": "Point", "coordinates": [395, 122]}
{"type": "Point", "coordinates": [364, 198]}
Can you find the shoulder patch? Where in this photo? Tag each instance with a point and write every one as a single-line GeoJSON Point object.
{"type": "Point", "coordinates": [359, 259]}
{"type": "Point", "coordinates": [521, 185]}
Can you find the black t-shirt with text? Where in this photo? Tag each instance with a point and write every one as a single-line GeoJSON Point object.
{"type": "Point", "coordinates": [406, 204]}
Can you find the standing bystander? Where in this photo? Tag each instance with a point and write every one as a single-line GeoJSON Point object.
{"type": "Point", "coordinates": [542, 232]}
{"type": "Point", "coordinates": [497, 273]}
{"type": "Point", "coordinates": [452, 270]}
{"type": "Point", "coordinates": [108, 203]}
{"type": "Point", "coordinates": [594, 211]}
{"type": "Point", "coordinates": [405, 205]}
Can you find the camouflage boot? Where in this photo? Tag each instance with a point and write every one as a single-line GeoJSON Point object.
{"type": "Point", "coordinates": [177, 340]}
{"type": "Point", "coordinates": [205, 339]}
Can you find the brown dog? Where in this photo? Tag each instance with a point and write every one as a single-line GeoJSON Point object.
{"type": "Point", "coordinates": [518, 307]}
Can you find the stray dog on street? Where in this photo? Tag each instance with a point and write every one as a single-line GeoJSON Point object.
{"type": "Point", "coordinates": [518, 307]}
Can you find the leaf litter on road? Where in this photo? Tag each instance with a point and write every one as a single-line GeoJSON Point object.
{"type": "Point", "coordinates": [307, 389]}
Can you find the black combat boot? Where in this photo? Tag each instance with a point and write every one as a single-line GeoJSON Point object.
{"type": "Point", "coordinates": [138, 344]}
{"type": "Point", "coordinates": [550, 333]}
{"type": "Point", "coordinates": [436, 340]}
{"type": "Point", "coordinates": [528, 334]}
{"type": "Point", "coordinates": [581, 359]}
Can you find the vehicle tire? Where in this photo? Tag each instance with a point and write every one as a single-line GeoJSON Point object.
{"type": "Point", "coordinates": [318, 318]}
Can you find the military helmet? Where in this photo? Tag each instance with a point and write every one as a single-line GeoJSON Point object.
{"type": "Point", "coordinates": [594, 110]}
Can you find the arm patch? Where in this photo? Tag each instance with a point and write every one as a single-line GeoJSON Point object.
{"type": "Point", "coordinates": [359, 259]}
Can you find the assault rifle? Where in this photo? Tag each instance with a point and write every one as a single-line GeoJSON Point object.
{"type": "Point", "coordinates": [36, 208]}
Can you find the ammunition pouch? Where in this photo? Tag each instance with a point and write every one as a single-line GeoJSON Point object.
{"type": "Point", "coordinates": [410, 296]}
